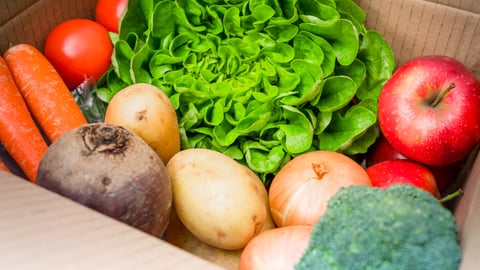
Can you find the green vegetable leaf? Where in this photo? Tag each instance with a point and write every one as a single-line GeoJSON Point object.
{"type": "Point", "coordinates": [261, 81]}
{"type": "Point", "coordinates": [337, 91]}
{"type": "Point", "coordinates": [379, 61]}
{"type": "Point", "coordinates": [122, 55]}
{"type": "Point", "coordinates": [341, 34]}
{"type": "Point", "coordinates": [327, 56]}
{"type": "Point", "coordinates": [344, 129]}
{"type": "Point", "coordinates": [232, 24]}
{"type": "Point", "coordinates": [351, 11]}
{"type": "Point", "coordinates": [135, 19]}
{"type": "Point", "coordinates": [263, 159]}
{"type": "Point", "coordinates": [308, 87]}
{"type": "Point", "coordinates": [355, 71]}
{"type": "Point", "coordinates": [139, 71]}
{"type": "Point", "coordinates": [351, 8]}
{"type": "Point", "coordinates": [317, 10]}
{"type": "Point", "coordinates": [282, 33]}
{"type": "Point", "coordinates": [164, 19]}
{"type": "Point", "coordinates": [298, 130]}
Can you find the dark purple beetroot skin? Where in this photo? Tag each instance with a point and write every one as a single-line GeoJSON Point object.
{"type": "Point", "coordinates": [112, 170]}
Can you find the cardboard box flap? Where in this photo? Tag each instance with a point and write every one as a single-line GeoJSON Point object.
{"type": "Point", "coordinates": [414, 28]}
{"type": "Point", "coordinates": [22, 23]}
{"type": "Point", "coordinates": [9, 9]}
{"type": "Point", "coordinates": [469, 5]}
{"type": "Point", "coordinates": [42, 230]}
{"type": "Point", "coordinates": [468, 216]}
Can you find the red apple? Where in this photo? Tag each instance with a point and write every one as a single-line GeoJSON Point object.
{"type": "Point", "coordinates": [429, 110]}
{"type": "Point", "coordinates": [400, 171]}
{"type": "Point", "coordinates": [445, 176]}
{"type": "Point", "coordinates": [380, 151]}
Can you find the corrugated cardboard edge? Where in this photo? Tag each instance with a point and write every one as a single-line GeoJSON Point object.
{"type": "Point", "coordinates": [42, 230]}
{"type": "Point", "coordinates": [468, 216]}
{"type": "Point", "coordinates": [468, 5]}
{"type": "Point", "coordinates": [414, 28]}
{"type": "Point", "coordinates": [35, 223]}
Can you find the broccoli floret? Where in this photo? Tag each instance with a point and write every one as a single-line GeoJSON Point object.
{"type": "Point", "coordinates": [401, 227]}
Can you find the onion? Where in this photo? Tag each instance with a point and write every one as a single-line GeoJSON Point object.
{"type": "Point", "coordinates": [301, 189]}
{"type": "Point", "coordinates": [278, 248]}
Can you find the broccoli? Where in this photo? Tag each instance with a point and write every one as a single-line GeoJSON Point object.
{"type": "Point", "coordinates": [400, 227]}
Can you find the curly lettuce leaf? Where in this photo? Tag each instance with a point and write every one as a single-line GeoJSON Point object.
{"type": "Point", "coordinates": [261, 81]}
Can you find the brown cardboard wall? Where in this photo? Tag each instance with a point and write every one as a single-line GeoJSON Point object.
{"type": "Point", "coordinates": [415, 27]}
{"type": "Point", "coordinates": [40, 230]}
{"type": "Point", "coordinates": [468, 218]}
{"type": "Point", "coordinates": [9, 9]}
{"type": "Point", "coordinates": [43, 231]}
{"type": "Point", "coordinates": [29, 21]}
{"type": "Point", "coordinates": [469, 5]}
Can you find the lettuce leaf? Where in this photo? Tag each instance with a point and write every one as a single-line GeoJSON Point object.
{"type": "Point", "coordinates": [262, 81]}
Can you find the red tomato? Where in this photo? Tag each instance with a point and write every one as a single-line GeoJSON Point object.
{"type": "Point", "coordinates": [79, 49]}
{"type": "Point", "coordinates": [108, 13]}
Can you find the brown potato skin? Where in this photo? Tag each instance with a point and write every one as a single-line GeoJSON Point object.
{"type": "Point", "coordinates": [112, 170]}
{"type": "Point", "coordinates": [146, 110]}
{"type": "Point", "coordinates": [220, 201]}
{"type": "Point", "coordinates": [178, 235]}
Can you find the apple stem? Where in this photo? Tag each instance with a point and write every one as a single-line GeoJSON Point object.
{"type": "Point", "coordinates": [442, 94]}
{"type": "Point", "coordinates": [451, 196]}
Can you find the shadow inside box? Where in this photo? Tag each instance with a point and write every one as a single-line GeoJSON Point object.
{"type": "Point", "coordinates": [10, 163]}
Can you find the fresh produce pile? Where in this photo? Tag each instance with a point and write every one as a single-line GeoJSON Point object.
{"type": "Point", "coordinates": [253, 134]}
{"type": "Point", "coordinates": [261, 81]}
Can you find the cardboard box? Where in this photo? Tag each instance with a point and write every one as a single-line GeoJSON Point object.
{"type": "Point", "coordinates": [42, 230]}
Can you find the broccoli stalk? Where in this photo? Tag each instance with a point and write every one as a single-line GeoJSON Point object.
{"type": "Point", "coordinates": [401, 227]}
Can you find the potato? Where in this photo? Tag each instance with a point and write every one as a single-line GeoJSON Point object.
{"type": "Point", "coordinates": [178, 235]}
{"type": "Point", "coordinates": [147, 111]}
{"type": "Point", "coordinates": [223, 203]}
{"type": "Point", "coordinates": [113, 171]}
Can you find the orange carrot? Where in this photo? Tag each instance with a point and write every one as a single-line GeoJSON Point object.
{"type": "Point", "coordinates": [48, 98]}
{"type": "Point", "coordinates": [18, 131]}
{"type": "Point", "coordinates": [3, 167]}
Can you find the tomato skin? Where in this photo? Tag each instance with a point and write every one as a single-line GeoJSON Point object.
{"type": "Point", "coordinates": [79, 49]}
{"type": "Point", "coordinates": [108, 13]}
